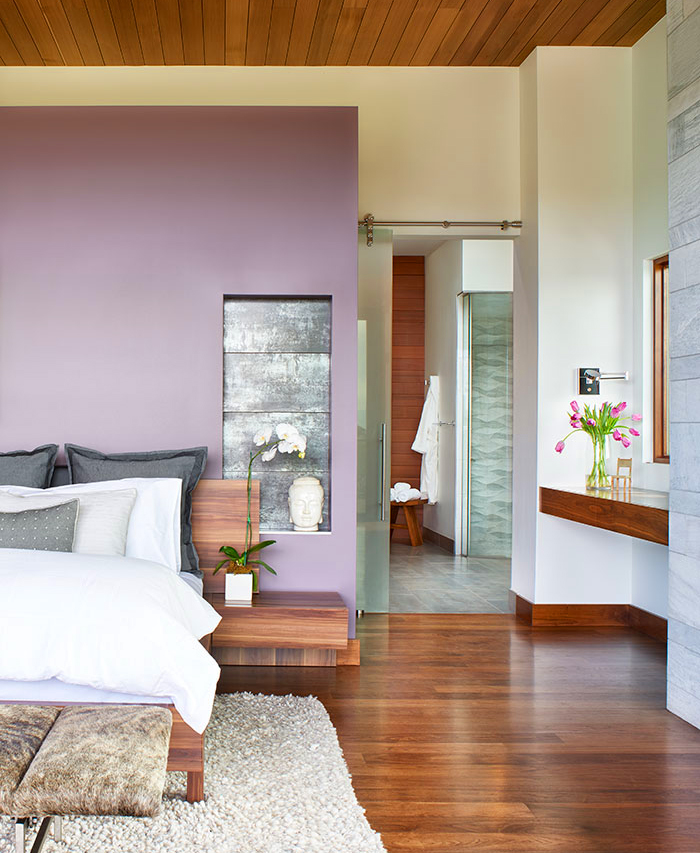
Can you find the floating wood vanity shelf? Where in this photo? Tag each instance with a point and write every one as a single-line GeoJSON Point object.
{"type": "Point", "coordinates": [643, 513]}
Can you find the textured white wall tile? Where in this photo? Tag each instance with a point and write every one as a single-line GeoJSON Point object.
{"type": "Point", "coordinates": [683, 64]}
{"type": "Point", "coordinates": [674, 14]}
{"type": "Point", "coordinates": [684, 267]}
{"type": "Point", "coordinates": [683, 589]}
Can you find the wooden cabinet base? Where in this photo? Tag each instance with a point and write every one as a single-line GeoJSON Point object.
{"type": "Point", "coordinates": [264, 656]}
{"type": "Point", "coordinates": [282, 629]}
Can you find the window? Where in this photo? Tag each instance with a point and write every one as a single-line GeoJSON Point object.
{"type": "Point", "coordinates": [661, 360]}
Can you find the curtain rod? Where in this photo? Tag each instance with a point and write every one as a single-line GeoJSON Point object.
{"type": "Point", "coordinates": [369, 223]}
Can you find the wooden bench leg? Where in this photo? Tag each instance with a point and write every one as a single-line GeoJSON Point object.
{"type": "Point", "coordinates": [414, 530]}
{"type": "Point", "coordinates": [394, 516]}
{"type": "Point", "coordinates": [195, 786]}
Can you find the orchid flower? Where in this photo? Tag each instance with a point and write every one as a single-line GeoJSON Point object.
{"type": "Point", "coordinates": [270, 454]}
{"type": "Point", "coordinates": [262, 437]}
{"type": "Point", "coordinates": [285, 432]}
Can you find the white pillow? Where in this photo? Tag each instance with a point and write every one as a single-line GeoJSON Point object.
{"type": "Point", "coordinates": [103, 519]}
{"type": "Point", "coordinates": [154, 525]}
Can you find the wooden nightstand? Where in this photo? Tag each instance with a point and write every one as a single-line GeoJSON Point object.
{"type": "Point", "coordinates": [281, 629]}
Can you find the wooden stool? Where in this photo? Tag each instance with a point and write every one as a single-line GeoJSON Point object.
{"type": "Point", "coordinates": [412, 525]}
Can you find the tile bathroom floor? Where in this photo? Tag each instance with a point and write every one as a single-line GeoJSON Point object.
{"type": "Point", "coordinates": [429, 580]}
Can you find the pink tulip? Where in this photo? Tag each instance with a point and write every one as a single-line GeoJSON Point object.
{"type": "Point", "coordinates": [615, 412]}
{"type": "Point", "coordinates": [577, 417]}
{"type": "Point", "coordinates": [559, 446]}
{"type": "Point", "coordinates": [574, 406]}
{"type": "Point", "coordinates": [621, 407]}
{"type": "Point", "coordinates": [575, 424]}
{"type": "Point", "coordinates": [625, 441]}
{"type": "Point", "coordinates": [636, 417]}
{"type": "Point", "coordinates": [617, 435]}
{"type": "Point", "coordinates": [590, 422]}
{"type": "Point", "coordinates": [633, 431]}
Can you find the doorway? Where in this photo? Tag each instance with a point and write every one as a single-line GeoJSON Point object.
{"type": "Point", "coordinates": [414, 310]}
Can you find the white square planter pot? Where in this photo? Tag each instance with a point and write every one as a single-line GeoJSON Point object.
{"type": "Point", "coordinates": [239, 589]}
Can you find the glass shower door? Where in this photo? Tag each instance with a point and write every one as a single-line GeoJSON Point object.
{"type": "Point", "coordinates": [374, 420]}
{"type": "Point", "coordinates": [488, 417]}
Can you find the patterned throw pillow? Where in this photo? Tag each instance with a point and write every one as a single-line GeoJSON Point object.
{"type": "Point", "coordinates": [49, 529]}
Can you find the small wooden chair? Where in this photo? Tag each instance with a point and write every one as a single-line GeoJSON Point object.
{"type": "Point", "coordinates": [412, 524]}
{"type": "Point", "coordinates": [622, 482]}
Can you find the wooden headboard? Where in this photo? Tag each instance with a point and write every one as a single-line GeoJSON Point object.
{"type": "Point", "coordinates": [219, 511]}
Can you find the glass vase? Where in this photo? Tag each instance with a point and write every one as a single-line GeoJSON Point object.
{"type": "Point", "coordinates": [599, 479]}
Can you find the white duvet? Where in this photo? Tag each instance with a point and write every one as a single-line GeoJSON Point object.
{"type": "Point", "coordinates": [112, 623]}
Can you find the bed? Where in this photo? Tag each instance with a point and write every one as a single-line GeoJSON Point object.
{"type": "Point", "coordinates": [178, 664]}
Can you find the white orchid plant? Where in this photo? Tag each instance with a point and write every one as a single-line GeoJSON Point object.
{"type": "Point", "coordinates": [284, 438]}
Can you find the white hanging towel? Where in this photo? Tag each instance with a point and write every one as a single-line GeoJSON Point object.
{"type": "Point", "coordinates": [426, 441]}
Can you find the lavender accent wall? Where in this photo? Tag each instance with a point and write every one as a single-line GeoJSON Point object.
{"type": "Point", "coordinates": [121, 229]}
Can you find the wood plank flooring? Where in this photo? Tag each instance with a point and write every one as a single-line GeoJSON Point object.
{"type": "Point", "coordinates": [477, 733]}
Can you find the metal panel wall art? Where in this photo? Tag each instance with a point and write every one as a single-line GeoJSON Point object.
{"type": "Point", "coordinates": [277, 369]}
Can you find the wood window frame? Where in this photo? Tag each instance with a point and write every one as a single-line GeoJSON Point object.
{"type": "Point", "coordinates": [660, 350]}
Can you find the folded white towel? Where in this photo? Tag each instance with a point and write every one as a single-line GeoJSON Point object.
{"type": "Point", "coordinates": [403, 492]}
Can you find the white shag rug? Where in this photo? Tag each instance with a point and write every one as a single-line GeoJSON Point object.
{"type": "Point", "coordinates": [275, 782]}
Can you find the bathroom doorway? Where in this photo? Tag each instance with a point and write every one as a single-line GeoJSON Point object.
{"type": "Point", "coordinates": [465, 340]}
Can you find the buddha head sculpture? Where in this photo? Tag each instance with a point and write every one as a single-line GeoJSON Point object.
{"type": "Point", "coordinates": [306, 498]}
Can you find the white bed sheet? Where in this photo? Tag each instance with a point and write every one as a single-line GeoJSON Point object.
{"type": "Point", "coordinates": [52, 690]}
{"type": "Point", "coordinates": [80, 628]}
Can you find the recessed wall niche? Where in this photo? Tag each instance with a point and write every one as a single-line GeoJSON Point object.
{"type": "Point", "coordinates": [277, 353]}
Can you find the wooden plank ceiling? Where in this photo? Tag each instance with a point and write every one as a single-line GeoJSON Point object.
{"type": "Point", "coordinates": [310, 32]}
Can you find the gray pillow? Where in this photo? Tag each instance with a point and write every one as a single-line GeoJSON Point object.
{"type": "Point", "coordinates": [51, 528]}
{"type": "Point", "coordinates": [32, 468]}
{"type": "Point", "coordinates": [92, 466]}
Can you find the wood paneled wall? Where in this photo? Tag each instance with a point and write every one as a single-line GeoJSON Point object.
{"type": "Point", "coordinates": [407, 371]}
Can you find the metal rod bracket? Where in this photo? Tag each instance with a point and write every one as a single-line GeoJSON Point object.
{"type": "Point", "coordinates": [369, 223]}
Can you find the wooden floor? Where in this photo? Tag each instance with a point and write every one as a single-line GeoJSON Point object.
{"type": "Point", "coordinates": [468, 732]}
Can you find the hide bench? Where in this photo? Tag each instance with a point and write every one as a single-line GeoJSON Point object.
{"type": "Point", "coordinates": [80, 760]}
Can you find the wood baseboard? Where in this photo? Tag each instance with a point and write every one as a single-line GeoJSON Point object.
{"type": "Point", "coordinates": [648, 623]}
{"type": "Point", "coordinates": [349, 656]}
{"type": "Point", "coordinates": [438, 539]}
{"type": "Point", "coordinates": [590, 615]}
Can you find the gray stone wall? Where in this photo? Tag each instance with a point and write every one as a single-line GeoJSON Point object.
{"type": "Point", "coordinates": [683, 20]}
{"type": "Point", "coordinates": [277, 370]}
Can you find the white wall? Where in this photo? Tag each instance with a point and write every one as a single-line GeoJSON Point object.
{"type": "Point", "coordinates": [650, 220]}
{"type": "Point", "coordinates": [578, 182]}
{"type": "Point", "coordinates": [487, 266]}
{"type": "Point", "coordinates": [443, 283]}
{"type": "Point", "coordinates": [525, 322]}
{"type": "Point", "coordinates": [585, 290]}
{"type": "Point", "coordinates": [435, 143]}
{"type": "Point", "coordinates": [649, 581]}
{"type": "Point", "coordinates": [458, 266]}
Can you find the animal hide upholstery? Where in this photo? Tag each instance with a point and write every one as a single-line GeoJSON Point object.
{"type": "Point", "coordinates": [104, 760]}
